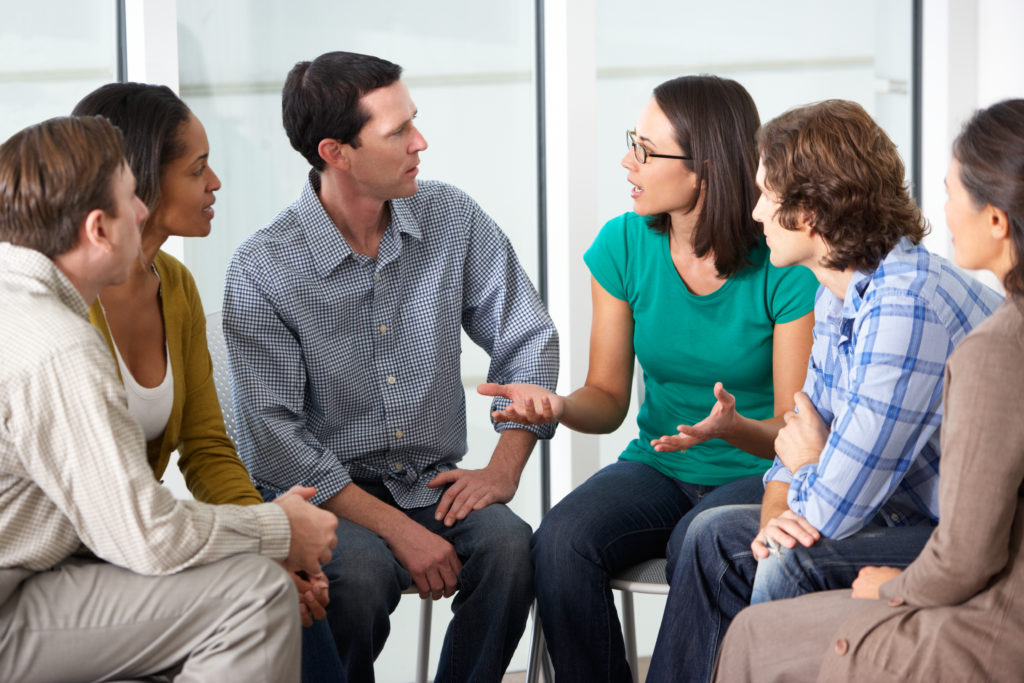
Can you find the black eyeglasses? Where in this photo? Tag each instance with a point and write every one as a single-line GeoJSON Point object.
{"type": "Point", "coordinates": [641, 153]}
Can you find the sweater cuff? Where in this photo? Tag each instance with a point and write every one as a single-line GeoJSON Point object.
{"type": "Point", "coordinates": [275, 532]}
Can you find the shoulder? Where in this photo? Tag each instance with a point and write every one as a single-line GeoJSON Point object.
{"type": "Point", "coordinates": [438, 204]}
{"type": "Point", "coordinates": [913, 275]}
{"type": "Point", "coordinates": [998, 340]}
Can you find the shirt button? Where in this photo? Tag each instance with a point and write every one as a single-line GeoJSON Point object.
{"type": "Point", "coordinates": [842, 646]}
{"type": "Point", "coordinates": [391, 380]}
{"type": "Point", "coordinates": [377, 277]}
{"type": "Point", "coordinates": [894, 517]}
{"type": "Point", "coordinates": [383, 329]}
{"type": "Point", "coordinates": [399, 433]}
{"type": "Point", "coordinates": [895, 602]}
{"type": "Point", "coordinates": [398, 467]}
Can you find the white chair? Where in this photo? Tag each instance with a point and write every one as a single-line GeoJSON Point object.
{"type": "Point", "coordinates": [646, 577]}
{"type": "Point", "coordinates": [222, 380]}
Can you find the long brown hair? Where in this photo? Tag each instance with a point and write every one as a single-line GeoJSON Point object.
{"type": "Point", "coordinates": [715, 121]}
{"type": "Point", "coordinates": [990, 149]}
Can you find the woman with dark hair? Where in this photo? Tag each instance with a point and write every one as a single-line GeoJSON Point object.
{"type": "Point", "coordinates": [154, 323]}
{"type": "Point", "coordinates": [957, 612]}
{"type": "Point", "coordinates": [684, 285]}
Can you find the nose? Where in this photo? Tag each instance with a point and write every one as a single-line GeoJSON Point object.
{"type": "Point", "coordinates": [141, 212]}
{"type": "Point", "coordinates": [419, 143]}
{"type": "Point", "coordinates": [214, 183]}
{"type": "Point", "coordinates": [629, 161]}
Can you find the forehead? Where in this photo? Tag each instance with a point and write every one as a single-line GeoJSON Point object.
{"type": "Point", "coordinates": [389, 105]}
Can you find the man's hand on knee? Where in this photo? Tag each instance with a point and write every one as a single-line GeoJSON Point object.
{"type": "Point", "coordinates": [786, 530]}
{"type": "Point", "coordinates": [312, 531]}
{"type": "Point", "coordinates": [429, 559]}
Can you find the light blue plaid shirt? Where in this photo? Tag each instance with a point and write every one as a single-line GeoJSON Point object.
{"type": "Point", "coordinates": [875, 376]}
{"type": "Point", "coordinates": [346, 367]}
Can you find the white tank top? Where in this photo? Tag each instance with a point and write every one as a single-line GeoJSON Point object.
{"type": "Point", "coordinates": [150, 406]}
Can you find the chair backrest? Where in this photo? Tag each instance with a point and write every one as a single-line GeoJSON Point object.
{"type": "Point", "coordinates": [221, 376]}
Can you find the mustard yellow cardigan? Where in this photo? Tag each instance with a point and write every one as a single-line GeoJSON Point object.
{"type": "Point", "coordinates": [206, 456]}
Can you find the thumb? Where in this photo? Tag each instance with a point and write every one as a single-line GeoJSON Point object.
{"type": "Point", "coordinates": [722, 395]}
{"type": "Point", "coordinates": [803, 403]}
{"type": "Point", "coordinates": [492, 389]}
{"type": "Point", "coordinates": [304, 492]}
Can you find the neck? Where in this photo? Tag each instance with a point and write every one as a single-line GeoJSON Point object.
{"type": "Point", "coordinates": [76, 268]}
{"type": "Point", "coordinates": [835, 281]}
{"type": "Point", "coordinates": [360, 219]}
{"type": "Point", "coordinates": [154, 234]}
{"type": "Point", "coordinates": [682, 225]}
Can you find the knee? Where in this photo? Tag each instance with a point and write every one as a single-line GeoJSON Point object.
{"type": "Point", "coordinates": [777, 575]}
{"type": "Point", "coordinates": [562, 536]}
{"type": "Point", "coordinates": [365, 581]}
{"type": "Point", "coordinates": [269, 587]}
{"type": "Point", "coordinates": [503, 553]}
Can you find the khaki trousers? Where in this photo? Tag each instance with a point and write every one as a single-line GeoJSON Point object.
{"type": "Point", "coordinates": [86, 620]}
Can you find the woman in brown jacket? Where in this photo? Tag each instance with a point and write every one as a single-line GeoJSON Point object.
{"type": "Point", "coordinates": [957, 612]}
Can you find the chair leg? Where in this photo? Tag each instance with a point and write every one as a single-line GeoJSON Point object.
{"type": "Point", "coordinates": [534, 659]}
{"type": "Point", "coordinates": [423, 649]}
{"type": "Point", "coordinates": [629, 632]}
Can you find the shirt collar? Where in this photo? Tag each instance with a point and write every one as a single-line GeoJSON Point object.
{"type": "Point", "coordinates": [36, 266]}
{"type": "Point", "coordinates": [857, 290]}
{"type": "Point", "coordinates": [327, 245]}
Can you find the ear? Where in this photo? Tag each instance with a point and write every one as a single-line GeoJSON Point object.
{"type": "Point", "coordinates": [334, 153]}
{"type": "Point", "coordinates": [999, 223]}
{"type": "Point", "coordinates": [94, 232]}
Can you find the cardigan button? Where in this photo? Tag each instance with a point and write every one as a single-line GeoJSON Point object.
{"type": "Point", "coordinates": [895, 602]}
{"type": "Point", "coordinates": [842, 647]}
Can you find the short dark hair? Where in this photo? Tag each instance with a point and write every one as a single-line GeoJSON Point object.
{"type": "Point", "coordinates": [715, 121]}
{"type": "Point", "coordinates": [151, 118]}
{"type": "Point", "coordinates": [990, 149]}
{"type": "Point", "coordinates": [52, 175]}
{"type": "Point", "coordinates": [831, 163]}
{"type": "Point", "coordinates": [320, 99]}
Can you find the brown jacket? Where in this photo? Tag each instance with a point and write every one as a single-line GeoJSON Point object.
{"type": "Point", "coordinates": [957, 612]}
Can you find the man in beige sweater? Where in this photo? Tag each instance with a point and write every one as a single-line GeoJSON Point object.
{"type": "Point", "coordinates": [103, 574]}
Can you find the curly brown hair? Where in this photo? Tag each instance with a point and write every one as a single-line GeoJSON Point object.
{"type": "Point", "coordinates": [990, 149]}
{"type": "Point", "coordinates": [831, 163]}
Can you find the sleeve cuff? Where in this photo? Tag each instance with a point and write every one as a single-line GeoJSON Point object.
{"type": "Point", "coordinates": [275, 532]}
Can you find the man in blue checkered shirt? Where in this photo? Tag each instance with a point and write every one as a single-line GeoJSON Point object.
{"type": "Point", "coordinates": [855, 478]}
{"type": "Point", "coordinates": [343, 319]}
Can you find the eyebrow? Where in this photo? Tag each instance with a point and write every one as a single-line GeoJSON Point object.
{"type": "Point", "coordinates": [646, 140]}
{"type": "Point", "coordinates": [201, 157]}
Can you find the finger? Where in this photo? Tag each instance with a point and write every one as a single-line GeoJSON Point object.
{"type": "Point", "coordinates": [803, 403]}
{"type": "Point", "coordinates": [722, 395]}
{"type": "Point", "coordinates": [446, 477]}
{"type": "Point", "coordinates": [305, 492]}
{"type": "Point", "coordinates": [304, 616]}
{"type": "Point", "coordinates": [547, 412]}
{"type": "Point", "coordinates": [450, 497]}
{"type": "Point", "coordinates": [466, 505]}
{"type": "Point", "coordinates": [450, 574]}
{"type": "Point", "coordinates": [759, 548]}
{"type": "Point", "coordinates": [492, 389]}
{"type": "Point", "coordinates": [788, 534]}
{"type": "Point", "coordinates": [789, 416]}
{"type": "Point", "coordinates": [806, 526]}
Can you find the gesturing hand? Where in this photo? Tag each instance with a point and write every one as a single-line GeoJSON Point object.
{"type": "Point", "coordinates": [531, 404]}
{"type": "Point", "coordinates": [804, 437]}
{"type": "Point", "coordinates": [714, 426]}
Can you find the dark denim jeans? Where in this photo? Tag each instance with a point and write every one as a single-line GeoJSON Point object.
{"type": "Point", "coordinates": [490, 608]}
{"type": "Point", "coordinates": [716, 573]}
{"type": "Point", "coordinates": [622, 515]}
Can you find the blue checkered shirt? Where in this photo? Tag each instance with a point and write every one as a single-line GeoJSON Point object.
{"type": "Point", "coordinates": [875, 376]}
{"type": "Point", "coordinates": [347, 367]}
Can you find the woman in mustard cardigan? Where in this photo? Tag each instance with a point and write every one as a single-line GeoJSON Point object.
{"type": "Point", "coordinates": [155, 325]}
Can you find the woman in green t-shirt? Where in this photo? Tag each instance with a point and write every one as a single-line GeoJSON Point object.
{"type": "Point", "coordinates": [683, 284]}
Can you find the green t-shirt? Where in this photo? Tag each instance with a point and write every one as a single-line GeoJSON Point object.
{"type": "Point", "coordinates": [685, 343]}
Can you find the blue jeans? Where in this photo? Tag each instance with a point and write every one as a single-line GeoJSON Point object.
{"type": "Point", "coordinates": [622, 515]}
{"type": "Point", "coordinates": [716, 573]}
{"type": "Point", "coordinates": [490, 609]}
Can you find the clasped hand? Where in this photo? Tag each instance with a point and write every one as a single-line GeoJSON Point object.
{"type": "Point", "coordinates": [804, 437]}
